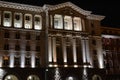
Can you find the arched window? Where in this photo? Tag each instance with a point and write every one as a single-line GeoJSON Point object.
{"type": "Point", "coordinates": [77, 24]}
{"type": "Point", "coordinates": [7, 16]}
{"type": "Point", "coordinates": [28, 21]}
{"type": "Point", "coordinates": [68, 22]}
{"type": "Point", "coordinates": [33, 77]}
{"type": "Point", "coordinates": [11, 77]}
{"type": "Point", "coordinates": [18, 20]}
{"type": "Point", "coordinates": [37, 22]}
{"type": "Point", "coordinates": [58, 22]}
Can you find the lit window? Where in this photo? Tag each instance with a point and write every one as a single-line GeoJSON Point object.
{"type": "Point", "coordinates": [28, 21]}
{"type": "Point", "coordinates": [5, 60]}
{"type": "Point", "coordinates": [77, 24]}
{"type": "Point", "coordinates": [68, 22]}
{"type": "Point", "coordinates": [58, 22]}
{"type": "Point", "coordinates": [33, 77]}
{"type": "Point", "coordinates": [37, 22]}
{"type": "Point", "coordinates": [18, 20]}
{"type": "Point", "coordinates": [7, 19]}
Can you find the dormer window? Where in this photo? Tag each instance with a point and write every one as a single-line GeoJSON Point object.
{"type": "Point", "coordinates": [7, 19]}
{"type": "Point", "coordinates": [28, 21]}
{"type": "Point", "coordinates": [58, 22]}
{"type": "Point", "coordinates": [77, 24]}
{"type": "Point", "coordinates": [18, 20]}
{"type": "Point", "coordinates": [37, 22]}
{"type": "Point", "coordinates": [68, 23]}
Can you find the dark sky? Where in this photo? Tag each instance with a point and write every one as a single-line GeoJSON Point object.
{"type": "Point", "coordinates": [108, 8]}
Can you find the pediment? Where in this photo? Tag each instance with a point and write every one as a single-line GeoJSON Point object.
{"type": "Point", "coordinates": [67, 5]}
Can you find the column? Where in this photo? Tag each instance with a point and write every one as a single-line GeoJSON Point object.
{"type": "Point", "coordinates": [100, 55]}
{"type": "Point", "coordinates": [22, 60]}
{"type": "Point", "coordinates": [1, 61]}
{"type": "Point", "coordinates": [87, 50]}
{"type": "Point", "coordinates": [64, 50]}
{"type": "Point", "coordinates": [74, 50]}
{"type": "Point", "coordinates": [83, 24]}
{"type": "Point", "coordinates": [54, 50]}
{"type": "Point", "coordinates": [33, 60]}
{"type": "Point", "coordinates": [49, 50]}
{"type": "Point", "coordinates": [11, 60]}
{"type": "Point", "coordinates": [83, 50]}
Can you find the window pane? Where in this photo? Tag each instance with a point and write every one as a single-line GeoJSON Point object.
{"type": "Point", "coordinates": [37, 22]}
{"type": "Point", "coordinates": [7, 19]}
{"type": "Point", "coordinates": [28, 21]}
{"type": "Point", "coordinates": [68, 22]}
{"type": "Point", "coordinates": [58, 23]}
{"type": "Point", "coordinates": [77, 24]}
{"type": "Point", "coordinates": [18, 20]}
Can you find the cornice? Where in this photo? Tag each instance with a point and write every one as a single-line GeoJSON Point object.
{"type": "Point", "coordinates": [68, 4]}
{"type": "Point", "coordinates": [95, 17]}
{"type": "Point", "coordinates": [21, 6]}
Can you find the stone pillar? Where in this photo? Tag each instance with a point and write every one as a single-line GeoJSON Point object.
{"type": "Point", "coordinates": [33, 60]}
{"type": "Point", "coordinates": [100, 55]}
{"type": "Point", "coordinates": [83, 50]}
{"type": "Point", "coordinates": [22, 65]}
{"type": "Point", "coordinates": [49, 50]}
{"type": "Point", "coordinates": [87, 50]}
{"type": "Point", "coordinates": [1, 61]}
{"type": "Point", "coordinates": [11, 60]}
{"type": "Point", "coordinates": [74, 50]}
{"type": "Point", "coordinates": [54, 50]}
{"type": "Point", "coordinates": [64, 50]}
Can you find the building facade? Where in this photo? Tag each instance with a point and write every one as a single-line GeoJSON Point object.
{"type": "Point", "coordinates": [53, 42]}
{"type": "Point", "coordinates": [111, 51]}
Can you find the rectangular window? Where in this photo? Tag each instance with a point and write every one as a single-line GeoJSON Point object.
{"type": "Point", "coordinates": [27, 61]}
{"type": "Point", "coordinates": [6, 47]}
{"type": "Point", "coordinates": [5, 61]}
{"type": "Point", "coordinates": [6, 34]}
{"type": "Point", "coordinates": [77, 23]}
{"type": "Point", "coordinates": [18, 20]}
{"type": "Point", "coordinates": [17, 61]}
{"type": "Point", "coordinates": [28, 21]}
{"type": "Point", "coordinates": [68, 23]}
{"type": "Point", "coordinates": [7, 19]}
{"type": "Point", "coordinates": [27, 47]}
{"type": "Point", "coordinates": [58, 22]}
{"type": "Point", "coordinates": [37, 48]}
{"type": "Point", "coordinates": [17, 47]}
{"type": "Point", "coordinates": [37, 22]}
{"type": "Point", "coordinates": [37, 61]}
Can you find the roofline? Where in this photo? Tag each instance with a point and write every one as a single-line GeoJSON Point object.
{"type": "Point", "coordinates": [21, 6]}
{"type": "Point", "coordinates": [69, 4]}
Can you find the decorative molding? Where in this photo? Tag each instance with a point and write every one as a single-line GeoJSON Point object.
{"type": "Point", "coordinates": [21, 6]}
{"type": "Point", "coordinates": [68, 4]}
{"type": "Point", "coordinates": [95, 17]}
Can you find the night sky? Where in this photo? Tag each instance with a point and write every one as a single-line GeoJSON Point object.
{"type": "Point", "coordinates": [108, 8]}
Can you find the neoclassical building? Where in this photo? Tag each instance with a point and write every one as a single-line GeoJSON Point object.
{"type": "Point", "coordinates": [52, 42]}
